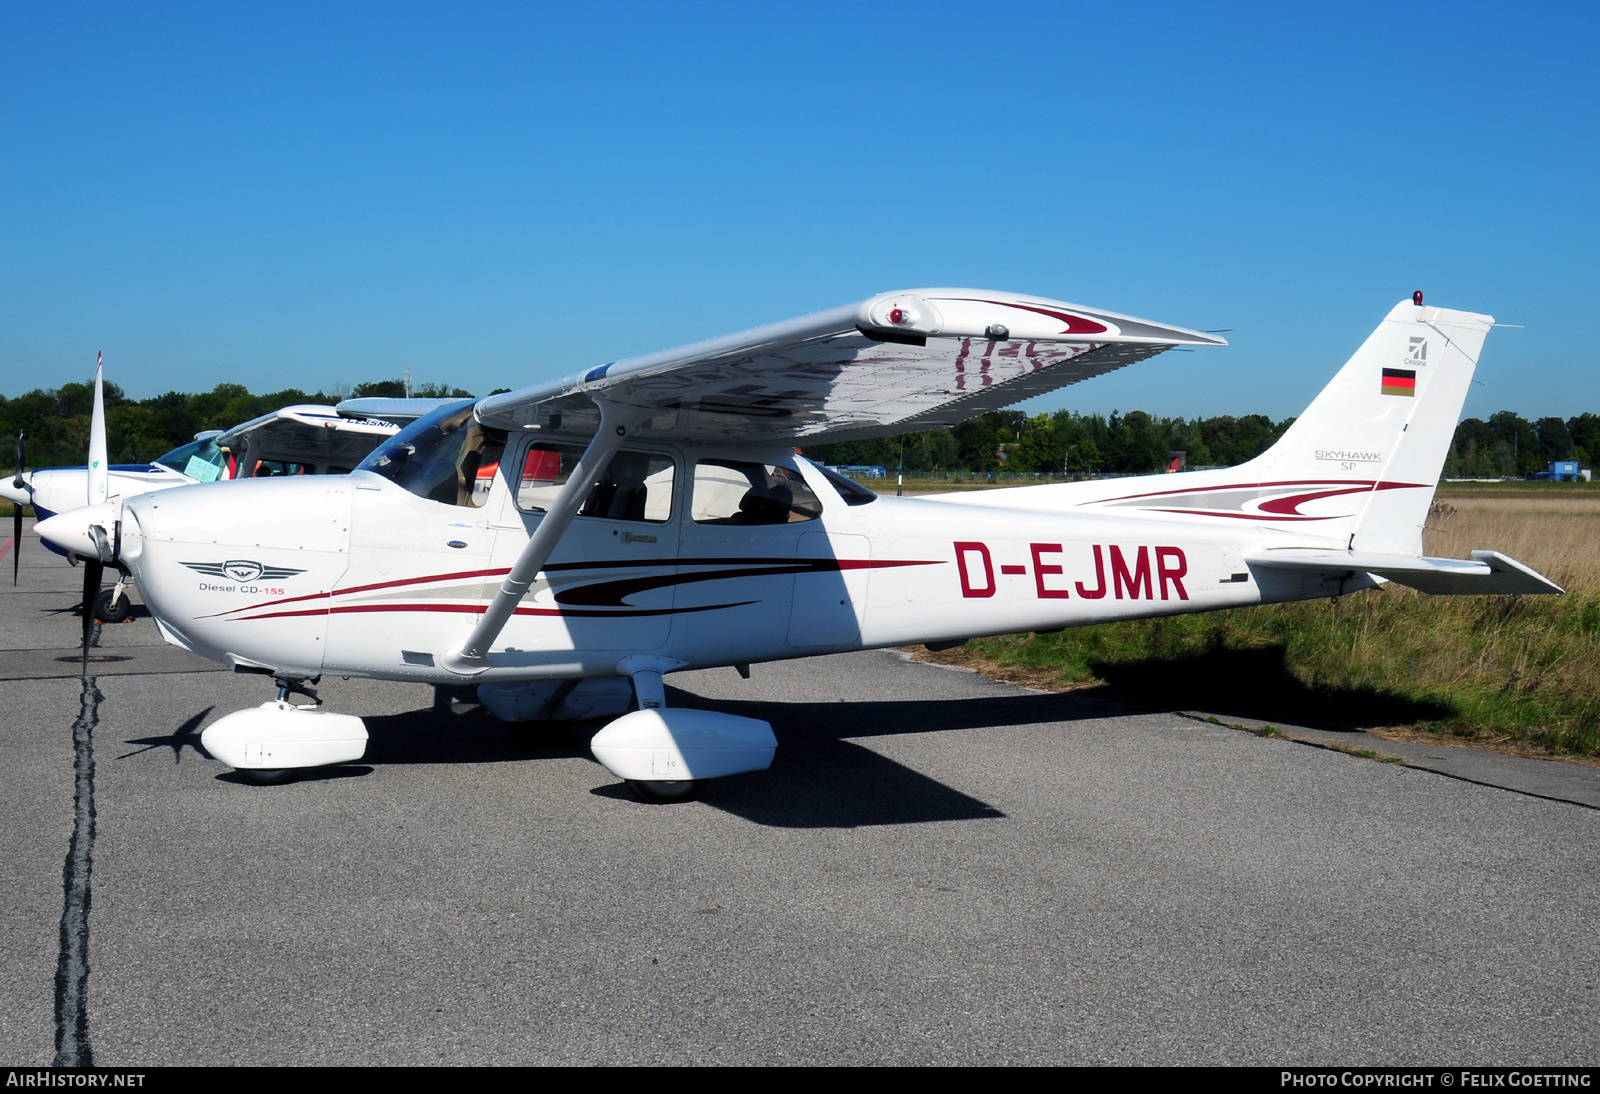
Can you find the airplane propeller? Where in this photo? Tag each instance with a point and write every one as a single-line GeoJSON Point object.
{"type": "Point", "coordinates": [16, 510]}
{"type": "Point", "coordinates": [94, 567]}
{"type": "Point", "coordinates": [84, 531]}
{"type": "Point", "coordinates": [93, 571]}
{"type": "Point", "coordinates": [99, 473]}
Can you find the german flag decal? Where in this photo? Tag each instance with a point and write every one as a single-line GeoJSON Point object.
{"type": "Point", "coordinates": [1400, 381]}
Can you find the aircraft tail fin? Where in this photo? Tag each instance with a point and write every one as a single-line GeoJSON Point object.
{"type": "Point", "coordinates": [1374, 441]}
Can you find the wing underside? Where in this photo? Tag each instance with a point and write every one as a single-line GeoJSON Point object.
{"type": "Point", "coordinates": [894, 363]}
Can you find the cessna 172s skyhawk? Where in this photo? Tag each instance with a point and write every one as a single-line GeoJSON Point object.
{"type": "Point", "coordinates": [568, 544]}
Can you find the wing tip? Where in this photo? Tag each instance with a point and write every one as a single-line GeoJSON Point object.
{"type": "Point", "coordinates": [975, 313]}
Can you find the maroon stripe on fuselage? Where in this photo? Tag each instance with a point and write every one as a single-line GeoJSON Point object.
{"type": "Point", "coordinates": [1237, 516]}
{"type": "Point", "coordinates": [1358, 484]}
{"type": "Point", "coordinates": [774, 566]}
{"type": "Point", "coordinates": [463, 574]}
{"type": "Point", "coordinates": [477, 609]}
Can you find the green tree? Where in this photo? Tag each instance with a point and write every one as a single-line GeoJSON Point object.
{"type": "Point", "coordinates": [1585, 432]}
{"type": "Point", "coordinates": [1517, 433]}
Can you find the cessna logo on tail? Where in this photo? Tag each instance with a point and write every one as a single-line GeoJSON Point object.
{"type": "Point", "coordinates": [1419, 351]}
{"type": "Point", "coordinates": [242, 570]}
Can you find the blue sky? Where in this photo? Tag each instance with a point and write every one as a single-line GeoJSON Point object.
{"type": "Point", "coordinates": [492, 195]}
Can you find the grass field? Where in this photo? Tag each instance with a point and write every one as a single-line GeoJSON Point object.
{"type": "Point", "coordinates": [1518, 673]}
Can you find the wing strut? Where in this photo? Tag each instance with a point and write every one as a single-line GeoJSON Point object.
{"type": "Point", "coordinates": [616, 421]}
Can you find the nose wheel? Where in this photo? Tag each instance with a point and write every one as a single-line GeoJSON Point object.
{"type": "Point", "coordinates": [113, 605]}
{"type": "Point", "coordinates": [666, 791]}
{"type": "Point", "coordinates": [262, 776]}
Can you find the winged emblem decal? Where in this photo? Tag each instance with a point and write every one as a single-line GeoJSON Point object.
{"type": "Point", "coordinates": [242, 570]}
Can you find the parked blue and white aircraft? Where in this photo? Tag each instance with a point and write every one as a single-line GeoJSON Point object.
{"type": "Point", "coordinates": [567, 545]}
{"type": "Point", "coordinates": [306, 439]}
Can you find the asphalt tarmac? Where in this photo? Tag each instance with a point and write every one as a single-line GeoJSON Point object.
{"type": "Point", "coordinates": [937, 869]}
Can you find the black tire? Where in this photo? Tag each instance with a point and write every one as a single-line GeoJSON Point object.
{"type": "Point", "coordinates": [107, 612]}
{"type": "Point", "coordinates": [266, 776]}
{"type": "Point", "coordinates": [666, 791]}
{"type": "Point", "coordinates": [540, 734]}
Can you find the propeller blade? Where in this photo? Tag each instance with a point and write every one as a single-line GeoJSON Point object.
{"type": "Point", "coordinates": [16, 508]}
{"type": "Point", "coordinates": [93, 569]}
{"type": "Point", "coordinates": [99, 476]}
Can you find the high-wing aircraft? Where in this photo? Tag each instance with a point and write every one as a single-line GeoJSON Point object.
{"type": "Point", "coordinates": [567, 545]}
{"type": "Point", "coordinates": [305, 439]}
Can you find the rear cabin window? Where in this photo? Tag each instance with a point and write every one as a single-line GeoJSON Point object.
{"type": "Point", "coordinates": [634, 486]}
{"type": "Point", "coordinates": [731, 492]}
{"type": "Point", "coordinates": [266, 469]}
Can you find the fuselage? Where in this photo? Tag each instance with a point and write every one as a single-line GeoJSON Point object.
{"type": "Point", "coordinates": [360, 576]}
{"type": "Point", "coordinates": [52, 490]}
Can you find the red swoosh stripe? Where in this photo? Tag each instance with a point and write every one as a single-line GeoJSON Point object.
{"type": "Point", "coordinates": [601, 594]}
{"type": "Point", "coordinates": [1368, 483]}
{"type": "Point", "coordinates": [1076, 324]}
{"type": "Point", "coordinates": [477, 609]}
{"type": "Point", "coordinates": [1284, 508]}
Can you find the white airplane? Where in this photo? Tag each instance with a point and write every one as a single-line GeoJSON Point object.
{"type": "Point", "coordinates": [569, 544]}
{"type": "Point", "coordinates": [306, 439]}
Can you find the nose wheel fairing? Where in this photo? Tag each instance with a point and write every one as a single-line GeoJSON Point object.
{"type": "Point", "coordinates": [279, 736]}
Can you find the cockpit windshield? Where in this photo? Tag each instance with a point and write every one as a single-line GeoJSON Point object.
{"type": "Point", "coordinates": [445, 456]}
{"type": "Point", "coordinates": [201, 460]}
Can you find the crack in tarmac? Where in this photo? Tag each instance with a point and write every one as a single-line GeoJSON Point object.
{"type": "Point", "coordinates": [72, 965]}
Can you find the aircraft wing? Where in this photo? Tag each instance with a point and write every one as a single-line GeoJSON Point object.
{"type": "Point", "coordinates": [321, 417]}
{"type": "Point", "coordinates": [399, 411]}
{"type": "Point", "coordinates": [899, 361]}
{"type": "Point", "coordinates": [1490, 572]}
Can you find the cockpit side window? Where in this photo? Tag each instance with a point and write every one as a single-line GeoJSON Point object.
{"type": "Point", "coordinates": [852, 492]}
{"type": "Point", "coordinates": [634, 486]}
{"type": "Point", "coordinates": [446, 457]}
{"type": "Point", "coordinates": [731, 492]}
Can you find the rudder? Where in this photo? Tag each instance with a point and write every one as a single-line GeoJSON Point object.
{"type": "Point", "coordinates": [1385, 423]}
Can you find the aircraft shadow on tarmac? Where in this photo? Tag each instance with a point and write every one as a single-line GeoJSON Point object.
{"type": "Point", "coordinates": [819, 780]}
{"type": "Point", "coordinates": [75, 609]}
{"type": "Point", "coordinates": [1258, 683]}
{"type": "Point", "coordinates": [185, 736]}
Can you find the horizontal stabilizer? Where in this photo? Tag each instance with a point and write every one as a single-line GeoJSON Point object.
{"type": "Point", "coordinates": [1489, 574]}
